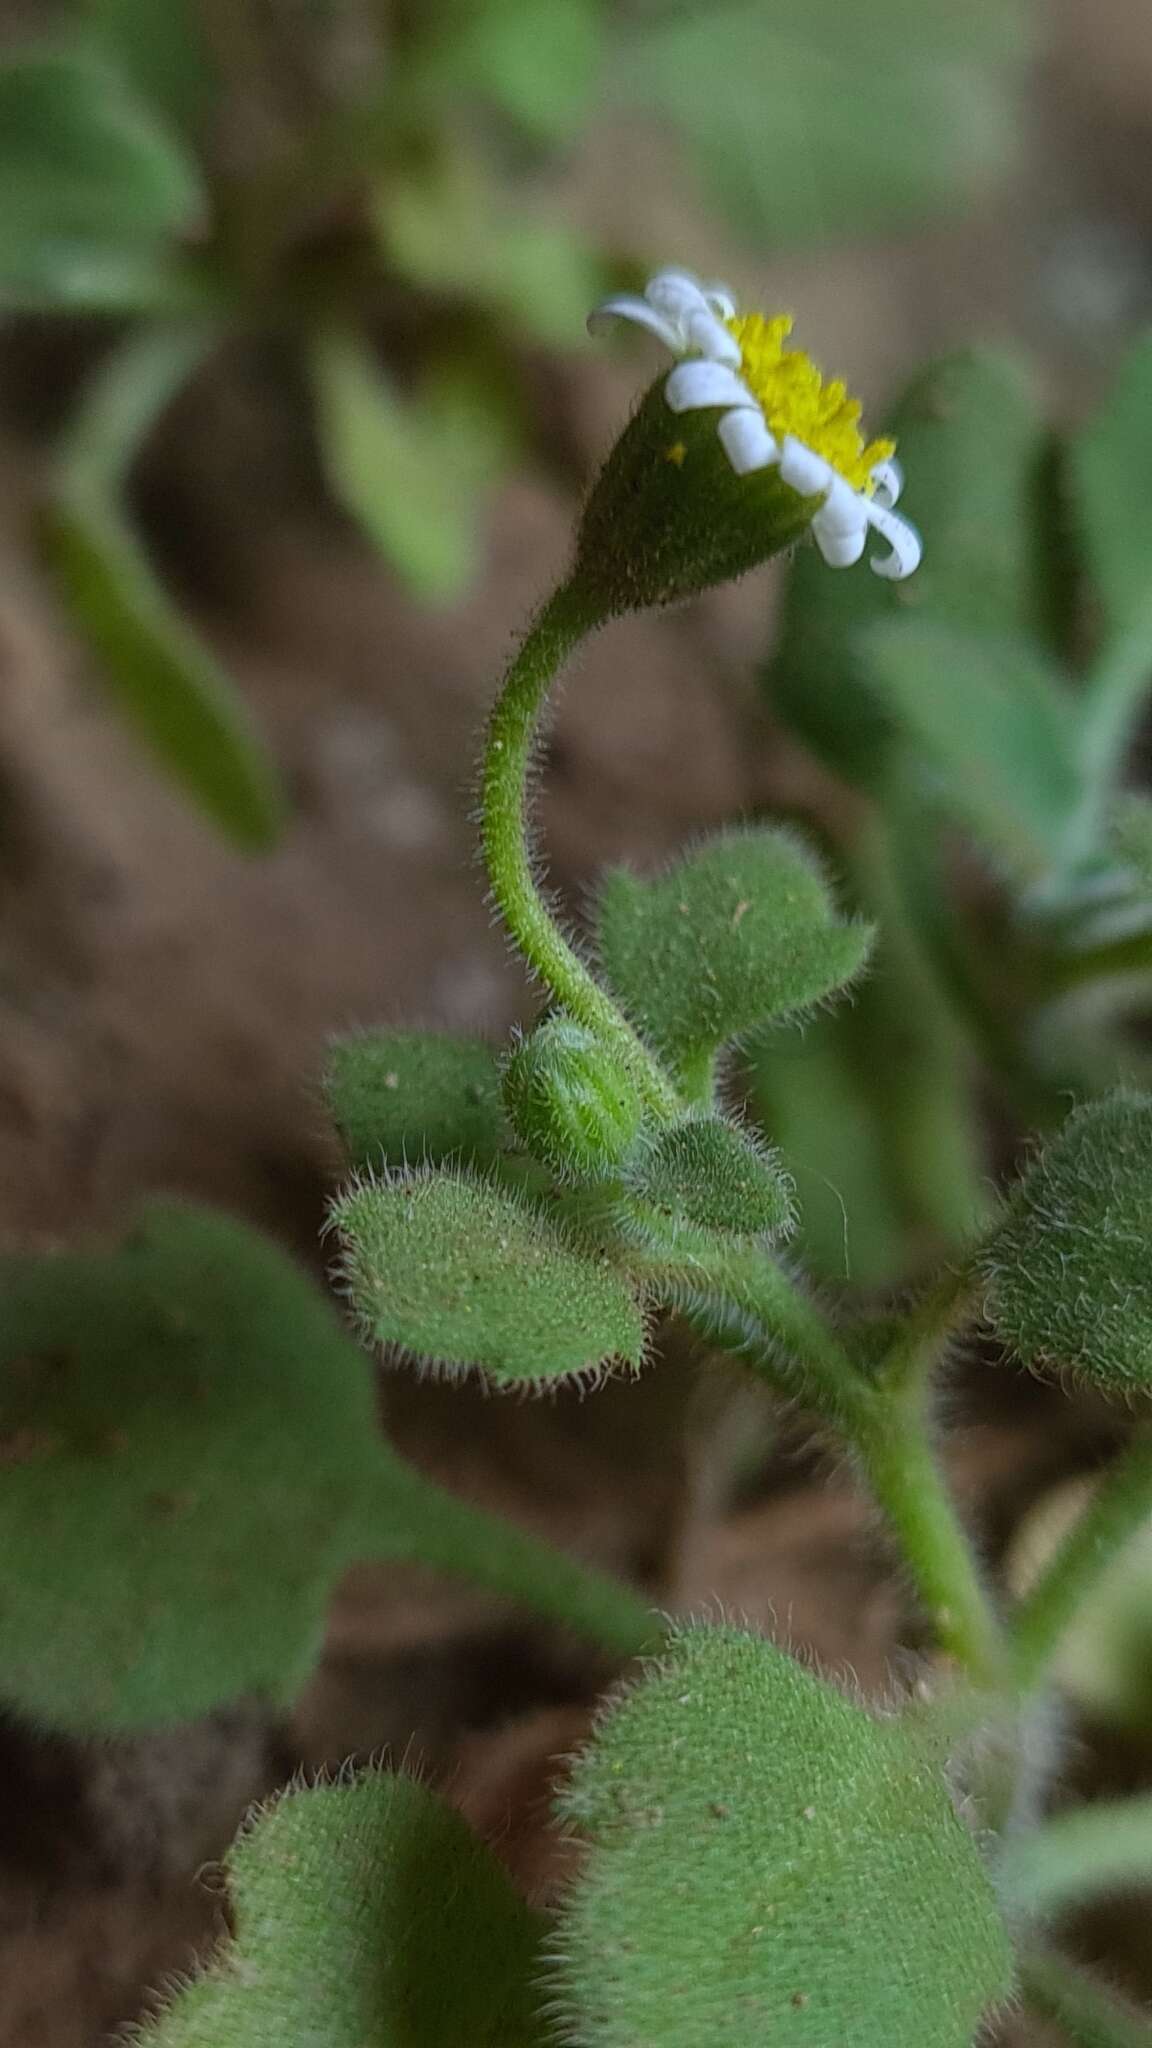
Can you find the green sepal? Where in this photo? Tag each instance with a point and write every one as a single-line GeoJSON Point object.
{"type": "Point", "coordinates": [571, 1101]}
{"type": "Point", "coordinates": [346, 1900]}
{"type": "Point", "coordinates": [187, 1438]}
{"type": "Point", "coordinates": [1069, 1276]}
{"type": "Point", "coordinates": [766, 1860]}
{"type": "Point", "coordinates": [706, 1174]}
{"type": "Point", "coordinates": [668, 516]}
{"type": "Point", "coordinates": [461, 1272]}
{"type": "Point", "coordinates": [740, 931]}
{"type": "Point", "coordinates": [398, 1098]}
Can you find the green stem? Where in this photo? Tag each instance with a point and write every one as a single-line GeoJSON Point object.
{"type": "Point", "coordinates": [507, 762]}
{"type": "Point", "coordinates": [737, 1295]}
{"type": "Point", "coordinates": [911, 1357]}
{"type": "Point", "coordinates": [1106, 1846]}
{"type": "Point", "coordinates": [414, 1521]}
{"type": "Point", "coordinates": [1118, 1510]}
{"type": "Point", "coordinates": [1090, 2014]}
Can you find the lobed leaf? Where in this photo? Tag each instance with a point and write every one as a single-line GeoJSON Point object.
{"type": "Point", "coordinates": [363, 1912]}
{"type": "Point", "coordinates": [185, 1433]}
{"type": "Point", "coordinates": [462, 1272]}
{"type": "Point", "coordinates": [1069, 1277]}
{"type": "Point", "coordinates": [740, 931]}
{"type": "Point", "coordinates": [399, 1097]}
{"type": "Point", "coordinates": [769, 1861]}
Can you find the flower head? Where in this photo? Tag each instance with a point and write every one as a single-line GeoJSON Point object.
{"type": "Point", "coordinates": [775, 412]}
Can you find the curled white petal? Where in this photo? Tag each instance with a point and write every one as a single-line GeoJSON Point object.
{"type": "Point", "coordinates": [887, 482]}
{"type": "Point", "coordinates": [700, 382]}
{"type": "Point", "coordinates": [840, 547]}
{"type": "Point", "coordinates": [842, 511]}
{"type": "Point", "coordinates": [903, 541]}
{"type": "Point", "coordinates": [803, 470]}
{"type": "Point", "coordinates": [677, 293]}
{"type": "Point", "coordinates": [709, 337]}
{"type": "Point", "coordinates": [626, 307]}
{"type": "Point", "coordinates": [719, 300]}
{"type": "Point", "coordinates": [746, 440]}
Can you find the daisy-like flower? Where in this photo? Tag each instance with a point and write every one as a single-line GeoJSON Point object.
{"type": "Point", "coordinates": [775, 412]}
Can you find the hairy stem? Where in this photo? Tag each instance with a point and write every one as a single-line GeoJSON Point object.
{"type": "Point", "coordinates": [1120, 1507]}
{"type": "Point", "coordinates": [512, 732]}
{"type": "Point", "coordinates": [1090, 2014]}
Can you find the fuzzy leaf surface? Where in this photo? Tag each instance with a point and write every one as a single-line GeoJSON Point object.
{"type": "Point", "coordinates": [398, 1097]}
{"type": "Point", "coordinates": [707, 1174]}
{"type": "Point", "coordinates": [364, 1913]}
{"type": "Point", "coordinates": [769, 1862]}
{"type": "Point", "coordinates": [972, 441]}
{"type": "Point", "coordinates": [1069, 1276]}
{"type": "Point", "coordinates": [461, 1272]}
{"type": "Point", "coordinates": [742, 930]}
{"type": "Point", "coordinates": [186, 1432]}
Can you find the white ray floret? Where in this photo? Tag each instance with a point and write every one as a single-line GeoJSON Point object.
{"type": "Point", "coordinates": [689, 318]}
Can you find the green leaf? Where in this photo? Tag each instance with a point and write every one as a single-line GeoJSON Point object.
{"type": "Point", "coordinates": [1078, 1855]}
{"type": "Point", "coordinates": [364, 1912]}
{"type": "Point", "coordinates": [742, 930]}
{"type": "Point", "coordinates": [161, 50]}
{"type": "Point", "coordinates": [1068, 1274]}
{"type": "Point", "coordinates": [401, 1096]}
{"type": "Point", "coordinates": [462, 1273]}
{"type": "Point", "coordinates": [1131, 837]}
{"type": "Point", "coordinates": [536, 60]}
{"type": "Point", "coordinates": [992, 720]}
{"type": "Point", "coordinates": [972, 441]}
{"type": "Point", "coordinates": [87, 176]}
{"type": "Point", "coordinates": [448, 227]}
{"type": "Point", "coordinates": [410, 471]}
{"type": "Point", "coordinates": [768, 1861]}
{"type": "Point", "coordinates": [165, 682]}
{"type": "Point", "coordinates": [812, 121]}
{"type": "Point", "coordinates": [706, 1174]}
{"type": "Point", "coordinates": [185, 1432]}
{"type": "Point", "coordinates": [1109, 471]}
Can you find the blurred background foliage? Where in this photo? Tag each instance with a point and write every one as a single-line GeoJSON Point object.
{"type": "Point", "coordinates": [373, 187]}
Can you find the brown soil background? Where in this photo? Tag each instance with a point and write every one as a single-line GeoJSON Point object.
{"type": "Point", "coordinates": [164, 1008]}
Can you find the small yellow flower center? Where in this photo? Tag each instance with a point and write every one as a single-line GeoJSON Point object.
{"type": "Point", "coordinates": [796, 400]}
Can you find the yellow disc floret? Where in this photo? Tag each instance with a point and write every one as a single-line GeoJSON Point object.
{"type": "Point", "coordinates": [796, 400]}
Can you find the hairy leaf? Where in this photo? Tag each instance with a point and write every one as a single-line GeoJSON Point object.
{"type": "Point", "coordinates": [364, 1912]}
{"type": "Point", "coordinates": [706, 1174]}
{"type": "Point", "coordinates": [1069, 1276]}
{"type": "Point", "coordinates": [461, 1272]}
{"type": "Point", "coordinates": [399, 1097]}
{"type": "Point", "coordinates": [769, 1862]}
{"type": "Point", "coordinates": [185, 1435]}
{"type": "Point", "coordinates": [741, 930]}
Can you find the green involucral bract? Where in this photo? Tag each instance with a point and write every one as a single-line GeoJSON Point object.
{"type": "Point", "coordinates": [740, 931]}
{"type": "Point", "coordinates": [1069, 1272]}
{"type": "Point", "coordinates": [707, 1175]}
{"type": "Point", "coordinates": [769, 1862]}
{"type": "Point", "coordinates": [571, 1101]}
{"type": "Point", "coordinates": [349, 1902]}
{"type": "Point", "coordinates": [463, 1273]}
{"type": "Point", "coordinates": [402, 1098]}
{"type": "Point", "coordinates": [187, 1436]}
{"type": "Point", "coordinates": [669, 516]}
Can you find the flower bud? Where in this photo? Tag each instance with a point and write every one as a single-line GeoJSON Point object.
{"type": "Point", "coordinates": [570, 1101]}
